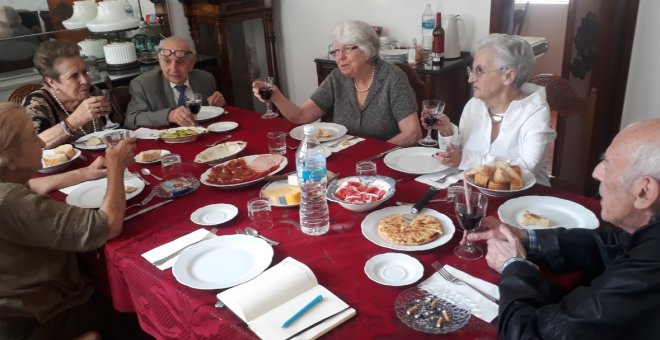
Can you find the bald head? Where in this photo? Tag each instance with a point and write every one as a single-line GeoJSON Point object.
{"type": "Point", "coordinates": [641, 142]}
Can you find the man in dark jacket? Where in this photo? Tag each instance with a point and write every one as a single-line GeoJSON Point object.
{"type": "Point", "coordinates": [622, 265]}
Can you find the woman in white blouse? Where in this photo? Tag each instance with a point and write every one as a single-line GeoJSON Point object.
{"type": "Point", "coordinates": [507, 119]}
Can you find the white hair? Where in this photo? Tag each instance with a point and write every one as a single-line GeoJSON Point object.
{"type": "Point", "coordinates": [360, 34]}
{"type": "Point", "coordinates": [645, 161]}
{"type": "Point", "coordinates": [188, 43]}
{"type": "Point", "coordinates": [511, 51]}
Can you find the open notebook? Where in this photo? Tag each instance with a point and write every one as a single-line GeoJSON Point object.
{"type": "Point", "coordinates": [265, 302]}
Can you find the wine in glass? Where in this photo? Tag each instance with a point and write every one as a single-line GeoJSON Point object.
{"type": "Point", "coordinates": [431, 110]}
{"type": "Point", "coordinates": [265, 91]}
{"type": "Point", "coordinates": [109, 125]}
{"type": "Point", "coordinates": [470, 210]}
{"type": "Point", "coordinates": [194, 104]}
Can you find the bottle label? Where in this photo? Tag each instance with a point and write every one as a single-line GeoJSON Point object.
{"type": "Point", "coordinates": [314, 175]}
{"type": "Point", "coordinates": [438, 45]}
{"type": "Point", "coordinates": [428, 24]}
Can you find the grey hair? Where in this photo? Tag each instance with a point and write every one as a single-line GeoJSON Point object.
{"type": "Point", "coordinates": [645, 161]}
{"type": "Point", "coordinates": [360, 34]}
{"type": "Point", "coordinates": [511, 51]}
{"type": "Point", "coordinates": [188, 43]}
{"type": "Point", "coordinates": [10, 16]}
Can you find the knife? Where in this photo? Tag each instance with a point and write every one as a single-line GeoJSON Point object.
{"type": "Point", "coordinates": [417, 208]}
{"type": "Point", "coordinates": [382, 154]}
{"type": "Point", "coordinates": [317, 323]}
{"type": "Point", "coordinates": [147, 209]}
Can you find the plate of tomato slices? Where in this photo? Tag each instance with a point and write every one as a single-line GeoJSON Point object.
{"type": "Point", "coordinates": [361, 193]}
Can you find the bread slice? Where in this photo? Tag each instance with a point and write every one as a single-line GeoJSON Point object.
{"type": "Point", "coordinates": [498, 186]}
{"type": "Point", "coordinates": [66, 149]}
{"type": "Point", "coordinates": [149, 155]}
{"type": "Point", "coordinates": [54, 159]}
{"type": "Point", "coordinates": [94, 141]}
{"type": "Point", "coordinates": [531, 219]}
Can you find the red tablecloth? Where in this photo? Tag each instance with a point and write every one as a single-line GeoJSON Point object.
{"type": "Point", "coordinates": [170, 310]}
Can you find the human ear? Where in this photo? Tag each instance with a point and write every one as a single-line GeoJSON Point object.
{"type": "Point", "coordinates": [646, 191]}
{"type": "Point", "coordinates": [509, 76]}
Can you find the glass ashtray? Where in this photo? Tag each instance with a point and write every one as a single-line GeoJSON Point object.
{"type": "Point", "coordinates": [177, 187]}
{"type": "Point", "coordinates": [432, 312]}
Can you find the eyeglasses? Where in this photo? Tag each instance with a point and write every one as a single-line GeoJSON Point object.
{"type": "Point", "coordinates": [478, 71]}
{"type": "Point", "coordinates": [346, 50]}
{"type": "Point", "coordinates": [177, 53]}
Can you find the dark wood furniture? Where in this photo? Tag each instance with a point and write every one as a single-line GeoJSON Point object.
{"type": "Point", "coordinates": [21, 92]}
{"type": "Point", "coordinates": [447, 82]}
{"type": "Point", "coordinates": [240, 34]}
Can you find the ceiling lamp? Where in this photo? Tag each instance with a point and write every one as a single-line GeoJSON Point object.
{"type": "Point", "coordinates": [112, 17]}
{"type": "Point", "coordinates": [83, 12]}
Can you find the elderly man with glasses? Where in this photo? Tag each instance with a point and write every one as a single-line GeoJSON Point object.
{"type": "Point", "coordinates": [159, 96]}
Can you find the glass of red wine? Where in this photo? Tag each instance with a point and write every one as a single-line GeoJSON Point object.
{"type": "Point", "coordinates": [265, 91]}
{"type": "Point", "coordinates": [194, 104]}
{"type": "Point", "coordinates": [470, 210]}
{"type": "Point", "coordinates": [431, 110]}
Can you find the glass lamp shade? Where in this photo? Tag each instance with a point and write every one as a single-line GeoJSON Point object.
{"type": "Point", "coordinates": [83, 12]}
{"type": "Point", "coordinates": [112, 17]}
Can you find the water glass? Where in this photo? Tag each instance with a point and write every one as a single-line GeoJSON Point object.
{"type": "Point", "coordinates": [260, 213]}
{"type": "Point", "coordinates": [365, 168]}
{"type": "Point", "coordinates": [115, 137]}
{"type": "Point", "coordinates": [171, 166]}
{"type": "Point", "coordinates": [276, 142]}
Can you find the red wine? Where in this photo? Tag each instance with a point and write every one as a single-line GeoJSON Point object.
{"type": "Point", "coordinates": [430, 121]}
{"type": "Point", "coordinates": [470, 221]}
{"type": "Point", "coordinates": [265, 93]}
{"type": "Point", "coordinates": [194, 107]}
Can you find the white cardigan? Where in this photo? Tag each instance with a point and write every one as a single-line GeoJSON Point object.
{"type": "Point", "coordinates": [523, 138]}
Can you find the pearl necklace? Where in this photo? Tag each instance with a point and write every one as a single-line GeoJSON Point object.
{"type": "Point", "coordinates": [373, 72]}
{"type": "Point", "coordinates": [69, 115]}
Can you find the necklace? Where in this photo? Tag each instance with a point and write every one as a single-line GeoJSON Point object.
{"type": "Point", "coordinates": [69, 115]}
{"type": "Point", "coordinates": [373, 72]}
{"type": "Point", "coordinates": [496, 117]}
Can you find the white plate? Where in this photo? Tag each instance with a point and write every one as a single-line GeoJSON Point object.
{"type": "Point", "coordinates": [370, 228]}
{"type": "Point", "coordinates": [337, 131]}
{"type": "Point", "coordinates": [394, 269]}
{"type": "Point", "coordinates": [50, 169]}
{"type": "Point", "coordinates": [528, 179]}
{"type": "Point", "coordinates": [90, 195]}
{"type": "Point", "coordinates": [416, 160]}
{"type": "Point", "coordinates": [219, 153]}
{"type": "Point", "coordinates": [560, 212]}
{"type": "Point", "coordinates": [275, 185]}
{"type": "Point", "coordinates": [200, 131]}
{"type": "Point", "coordinates": [205, 176]}
{"type": "Point", "coordinates": [80, 142]}
{"type": "Point", "coordinates": [162, 154]}
{"type": "Point", "coordinates": [222, 126]}
{"type": "Point", "coordinates": [214, 214]}
{"type": "Point", "coordinates": [222, 262]}
{"type": "Point", "coordinates": [209, 112]}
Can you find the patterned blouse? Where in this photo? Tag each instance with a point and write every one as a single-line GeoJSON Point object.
{"type": "Point", "coordinates": [45, 113]}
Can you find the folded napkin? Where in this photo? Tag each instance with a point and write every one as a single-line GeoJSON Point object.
{"type": "Point", "coordinates": [68, 190]}
{"type": "Point", "coordinates": [342, 143]}
{"type": "Point", "coordinates": [481, 307]}
{"type": "Point", "coordinates": [172, 247]}
{"type": "Point", "coordinates": [430, 179]}
{"type": "Point", "coordinates": [144, 133]}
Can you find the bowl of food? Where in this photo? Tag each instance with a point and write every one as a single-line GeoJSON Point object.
{"type": "Point", "coordinates": [361, 193]}
{"type": "Point", "coordinates": [500, 179]}
{"type": "Point", "coordinates": [220, 153]}
{"type": "Point", "coordinates": [58, 159]}
{"type": "Point", "coordinates": [182, 134]}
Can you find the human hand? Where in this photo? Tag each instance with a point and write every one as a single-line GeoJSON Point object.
{"type": "Point", "coordinates": [501, 250]}
{"type": "Point", "coordinates": [89, 109]}
{"type": "Point", "coordinates": [216, 99]}
{"type": "Point", "coordinates": [451, 157]}
{"type": "Point", "coordinates": [119, 156]}
{"type": "Point", "coordinates": [255, 90]}
{"type": "Point", "coordinates": [181, 116]}
{"type": "Point", "coordinates": [490, 229]}
{"type": "Point", "coordinates": [95, 170]}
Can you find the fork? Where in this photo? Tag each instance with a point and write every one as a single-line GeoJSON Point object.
{"type": "Point", "coordinates": [443, 178]}
{"type": "Point", "coordinates": [341, 141]}
{"type": "Point", "coordinates": [219, 141]}
{"type": "Point", "coordinates": [451, 278]}
{"type": "Point", "coordinates": [144, 201]}
{"type": "Point", "coordinates": [176, 253]}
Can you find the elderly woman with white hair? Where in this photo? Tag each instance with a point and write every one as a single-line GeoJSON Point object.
{"type": "Point", "coordinates": [366, 94]}
{"type": "Point", "coordinates": [507, 119]}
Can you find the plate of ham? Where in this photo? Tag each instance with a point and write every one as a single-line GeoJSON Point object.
{"type": "Point", "coordinates": [243, 171]}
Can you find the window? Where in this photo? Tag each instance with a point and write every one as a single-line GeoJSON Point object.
{"type": "Point", "coordinates": [558, 2]}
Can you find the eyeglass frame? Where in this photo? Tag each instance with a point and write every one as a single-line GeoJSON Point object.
{"type": "Point", "coordinates": [174, 53]}
{"type": "Point", "coordinates": [478, 73]}
{"type": "Point", "coordinates": [346, 50]}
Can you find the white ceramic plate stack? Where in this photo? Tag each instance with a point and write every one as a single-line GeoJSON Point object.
{"type": "Point", "coordinates": [560, 212]}
{"type": "Point", "coordinates": [415, 160]}
{"type": "Point", "coordinates": [394, 269]}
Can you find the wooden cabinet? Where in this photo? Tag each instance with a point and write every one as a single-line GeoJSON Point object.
{"type": "Point", "coordinates": [447, 82]}
{"type": "Point", "coordinates": [240, 34]}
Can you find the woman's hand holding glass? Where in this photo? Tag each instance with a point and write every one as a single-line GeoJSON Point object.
{"type": "Point", "coordinates": [263, 89]}
{"type": "Point", "coordinates": [89, 109]}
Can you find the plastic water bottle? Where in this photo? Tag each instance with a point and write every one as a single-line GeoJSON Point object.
{"type": "Point", "coordinates": [428, 24]}
{"type": "Point", "coordinates": [311, 172]}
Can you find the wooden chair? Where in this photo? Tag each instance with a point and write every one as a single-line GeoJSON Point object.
{"type": "Point", "coordinates": [573, 120]}
{"type": "Point", "coordinates": [419, 86]}
{"type": "Point", "coordinates": [18, 95]}
{"type": "Point", "coordinates": [119, 98]}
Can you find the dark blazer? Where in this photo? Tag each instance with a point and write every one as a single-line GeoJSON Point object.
{"type": "Point", "coordinates": [152, 97]}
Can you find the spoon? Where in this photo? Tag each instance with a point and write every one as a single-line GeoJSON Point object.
{"type": "Point", "coordinates": [219, 141]}
{"type": "Point", "coordinates": [147, 172]}
{"type": "Point", "coordinates": [253, 232]}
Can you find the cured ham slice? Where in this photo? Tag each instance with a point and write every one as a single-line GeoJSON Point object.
{"type": "Point", "coordinates": [239, 171]}
{"type": "Point", "coordinates": [265, 162]}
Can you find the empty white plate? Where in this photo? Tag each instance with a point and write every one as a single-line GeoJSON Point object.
{"type": "Point", "coordinates": [394, 269]}
{"type": "Point", "coordinates": [209, 112]}
{"type": "Point", "coordinates": [214, 214]}
{"type": "Point", "coordinates": [222, 126]}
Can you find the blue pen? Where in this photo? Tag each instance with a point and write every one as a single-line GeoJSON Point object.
{"type": "Point", "coordinates": [302, 311]}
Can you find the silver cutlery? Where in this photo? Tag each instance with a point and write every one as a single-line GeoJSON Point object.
{"type": "Point", "coordinates": [382, 154]}
{"type": "Point", "coordinates": [176, 253]}
{"type": "Point", "coordinates": [219, 141]}
{"type": "Point", "coordinates": [148, 172]}
{"type": "Point", "coordinates": [254, 233]}
{"type": "Point", "coordinates": [147, 209]}
{"type": "Point", "coordinates": [451, 278]}
{"type": "Point", "coordinates": [430, 201]}
{"type": "Point", "coordinates": [444, 177]}
{"type": "Point", "coordinates": [417, 208]}
{"type": "Point", "coordinates": [332, 145]}
{"type": "Point", "coordinates": [83, 158]}
{"type": "Point", "coordinates": [144, 201]}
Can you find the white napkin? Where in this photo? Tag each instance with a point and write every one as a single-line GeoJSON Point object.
{"type": "Point", "coordinates": [343, 144]}
{"type": "Point", "coordinates": [172, 247]}
{"type": "Point", "coordinates": [481, 307]}
{"type": "Point", "coordinates": [144, 133]}
{"type": "Point", "coordinates": [430, 179]}
{"type": "Point", "coordinates": [68, 190]}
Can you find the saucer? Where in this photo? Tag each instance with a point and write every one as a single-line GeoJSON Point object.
{"type": "Point", "coordinates": [214, 214]}
{"type": "Point", "coordinates": [394, 269]}
{"type": "Point", "coordinates": [222, 126]}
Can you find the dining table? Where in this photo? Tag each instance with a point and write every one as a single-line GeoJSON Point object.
{"type": "Point", "coordinates": [167, 309]}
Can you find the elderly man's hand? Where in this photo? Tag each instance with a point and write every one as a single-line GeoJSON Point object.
{"type": "Point", "coordinates": [490, 229]}
{"type": "Point", "coordinates": [216, 99]}
{"type": "Point", "coordinates": [255, 90]}
{"type": "Point", "coordinates": [501, 250]}
{"type": "Point", "coordinates": [181, 116]}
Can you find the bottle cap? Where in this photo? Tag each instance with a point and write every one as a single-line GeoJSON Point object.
{"type": "Point", "coordinates": [308, 129]}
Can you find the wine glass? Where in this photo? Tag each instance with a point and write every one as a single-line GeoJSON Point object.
{"type": "Point", "coordinates": [265, 91]}
{"type": "Point", "coordinates": [109, 125]}
{"type": "Point", "coordinates": [194, 104]}
{"type": "Point", "coordinates": [470, 210]}
{"type": "Point", "coordinates": [431, 110]}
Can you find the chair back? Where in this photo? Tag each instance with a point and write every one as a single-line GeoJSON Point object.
{"type": "Point", "coordinates": [119, 98]}
{"type": "Point", "coordinates": [419, 86]}
{"type": "Point", "coordinates": [572, 119]}
{"type": "Point", "coordinates": [18, 95]}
